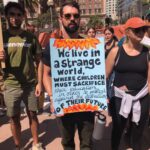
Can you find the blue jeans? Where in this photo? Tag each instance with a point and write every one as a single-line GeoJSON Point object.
{"type": "Point", "coordinates": [110, 87]}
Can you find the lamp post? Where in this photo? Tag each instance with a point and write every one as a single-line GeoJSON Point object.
{"type": "Point", "coordinates": [51, 3]}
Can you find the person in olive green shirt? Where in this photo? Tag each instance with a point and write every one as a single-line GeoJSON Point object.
{"type": "Point", "coordinates": [21, 51]}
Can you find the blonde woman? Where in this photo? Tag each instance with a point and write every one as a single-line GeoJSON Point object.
{"type": "Point", "coordinates": [131, 98]}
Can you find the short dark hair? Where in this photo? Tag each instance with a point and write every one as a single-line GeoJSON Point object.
{"type": "Point", "coordinates": [72, 4]}
{"type": "Point", "coordinates": [15, 5]}
{"type": "Point", "coordinates": [109, 29]}
{"type": "Point", "coordinates": [90, 28]}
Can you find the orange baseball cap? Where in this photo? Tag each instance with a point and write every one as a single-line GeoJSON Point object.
{"type": "Point", "coordinates": [134, 22]}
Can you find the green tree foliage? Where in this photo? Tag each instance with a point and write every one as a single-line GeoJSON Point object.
{"type": "Point", "coordinates": [145, 2]}
{"type": "Point", "coordinates": [27, 4]}
{"type": "Point", "coordinates": [1, 6]}
{"type": "Point", "coordinates": [45, 19]}
{"type": "Point", "coordinates": [2, 15]}
{"type": "Point", "coordinates": [115, 22]}
{"type": "Point", "coordinates": [94, 21]}
{"type": "Point", "coordinates": [44, 6]}
{"type": "Point", "coordinates": [30, 5]}
{"type": "Point", "coordinates": [108, 21]}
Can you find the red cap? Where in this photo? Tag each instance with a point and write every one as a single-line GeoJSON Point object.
{"type": "Point", "coordinates": [134, 22]}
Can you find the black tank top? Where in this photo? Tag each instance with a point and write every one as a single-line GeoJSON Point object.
{"type": "Point", "coordinates": [131, 70]}
{"type": "Point", "coordinates": [107, 50]}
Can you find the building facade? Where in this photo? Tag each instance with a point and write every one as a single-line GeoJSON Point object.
{"type": "Point", "coordinates": [123, 7]}
{"type": "Point", "coordinates": [90, 8]}
{"type": "Point", "coordinates": [132, 8]}
{"type": "Point", "coordinates": [111, 9]}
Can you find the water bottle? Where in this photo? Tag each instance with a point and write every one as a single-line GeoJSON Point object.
{"type": "Point", "coordinates": [99, 127]}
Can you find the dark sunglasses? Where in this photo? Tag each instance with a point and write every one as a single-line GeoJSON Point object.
{"type": "Point", "coordinates": [12, 14]}
{"type": "Point", "coordinates": [138, 30]}
{"type": "Point", "coordinates": [68, 16]}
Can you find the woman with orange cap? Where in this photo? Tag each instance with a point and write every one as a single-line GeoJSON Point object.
{"type": "Point", "coordinates": [131, 84]}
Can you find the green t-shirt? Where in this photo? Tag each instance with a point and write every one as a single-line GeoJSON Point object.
{"type": "Point", "coordinates": [20, 53]}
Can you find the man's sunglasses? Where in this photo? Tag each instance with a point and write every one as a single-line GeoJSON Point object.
{"type": "Point", "coordinates": [68, 16]}
{"type": "Point", "coordinates": [12, 14]}
{"type": "Point", "coordinates": [138, 30]}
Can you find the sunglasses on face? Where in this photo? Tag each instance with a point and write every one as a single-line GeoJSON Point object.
{"type": "Point", "coordinates": [68, 16]}
{"type": "Point", "coordinates": [138, 30]}
{"type": "Point", "coordinates": [12, 14]}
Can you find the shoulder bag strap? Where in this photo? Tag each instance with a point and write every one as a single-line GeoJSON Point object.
{"type": "Point", "coordinates": [118, 55]}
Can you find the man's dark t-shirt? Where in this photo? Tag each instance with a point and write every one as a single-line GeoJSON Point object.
{"type": "Point", "coordinates": [46, 54]}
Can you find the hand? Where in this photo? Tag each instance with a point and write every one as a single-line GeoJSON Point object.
{"type": "Point", "coordinates": [52, 110]}
{"type": "Point", "coordinates": [108, 100]}
{"type": "Point", "coordinates": [60, 115]}
{"type": "Point", "coordinates": [108, 117]}
{"type": "Point", "coordinates": [2, 55]}
{"type": "Point", "coordinates": [38, 90]}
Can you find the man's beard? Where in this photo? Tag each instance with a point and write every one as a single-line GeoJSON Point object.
{"type": "Point", "coordinates": [71, 30]}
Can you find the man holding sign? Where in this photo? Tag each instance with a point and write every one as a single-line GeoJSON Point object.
{"type": "Point", "coordinates": [21, 49]}
{"type": "Point", "coordinates": [75, 106]}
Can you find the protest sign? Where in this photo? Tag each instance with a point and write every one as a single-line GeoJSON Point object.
{"type": "Point", "coordinates": [78, 75]}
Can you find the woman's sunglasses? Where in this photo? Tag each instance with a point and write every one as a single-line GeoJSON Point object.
{"type": "Point", "coordinates": [138, 30]}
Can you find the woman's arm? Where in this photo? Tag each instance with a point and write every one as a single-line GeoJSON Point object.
{"type": "Point", "coordinates": [110, 61]}
{"type": "Point", "coordinates": [149, 77]}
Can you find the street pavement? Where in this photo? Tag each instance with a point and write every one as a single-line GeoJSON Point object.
{"type": "Point", "coordinates": [50, 135]}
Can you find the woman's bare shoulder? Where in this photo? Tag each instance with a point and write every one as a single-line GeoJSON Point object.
{"type": "Point", "coordinates": [114, 51]}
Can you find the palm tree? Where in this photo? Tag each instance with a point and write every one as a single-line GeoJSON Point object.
{"type": "Point", "coordinates": [145, 2]}
{"type": "Point", "coordinates": [30, 7]}
{"type": "Point", "coordinates": [94, 21]}
{"type": "Point", "coordinates": [1, 6]}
